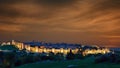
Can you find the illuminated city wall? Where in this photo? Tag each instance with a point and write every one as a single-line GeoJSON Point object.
{"type": "Point", "coordinates": [61, 50]}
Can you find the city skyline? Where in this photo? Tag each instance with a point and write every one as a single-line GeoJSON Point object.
{"type": "Point", "coordinates": [71, 21]}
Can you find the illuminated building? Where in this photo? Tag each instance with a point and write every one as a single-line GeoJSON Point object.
{"type": "Point", "coordinates": [40, 49]}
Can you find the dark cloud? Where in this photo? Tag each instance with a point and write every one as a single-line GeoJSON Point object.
{"type": "Point", "coordinates": [13, 1]}
{"type": "Point", "coordinates": [7, 1]}
{"type": "Point", "coordinates": [6, 12]}
{"type": "Point", "coordinates": [7, 9]}
{"type": "Point", "coordinates": [56, 2]}
{"type": "Point", "coordinates": [108, 4]}
{"type": "Point", "coordinates": [41, 2]}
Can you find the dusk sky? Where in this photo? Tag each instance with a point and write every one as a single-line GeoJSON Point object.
{"type": "Point", "coordinates": [94, 22]}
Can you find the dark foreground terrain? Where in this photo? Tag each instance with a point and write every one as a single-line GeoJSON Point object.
{"type": "Point", "coordinates": [86, 63]}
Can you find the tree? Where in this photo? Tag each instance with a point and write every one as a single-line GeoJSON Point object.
{"type": "Point", "coordinates": [8, 47]}
{"type": "Point", "coordinates": [51, 56]}
{"type": "Point", "coordinates": [59, 56]}
{"type": "Point", "coordinates": [70, 56]}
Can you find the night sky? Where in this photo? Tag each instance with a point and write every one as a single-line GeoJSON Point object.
{"type": "Point", "coordinates": [94, 22]}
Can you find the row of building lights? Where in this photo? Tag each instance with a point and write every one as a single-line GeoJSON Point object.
{"type": "Point", "coordinates": [54, 50]}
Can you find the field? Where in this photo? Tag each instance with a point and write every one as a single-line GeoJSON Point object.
{"type": "Point", "coordinates": [86, 63]}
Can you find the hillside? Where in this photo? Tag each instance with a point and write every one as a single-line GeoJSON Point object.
{"type": "Point", "coordinates": [8, 47]}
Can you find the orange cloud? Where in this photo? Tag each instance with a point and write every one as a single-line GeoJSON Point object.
{"type": "Point", "coordinates": [62, 20]}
